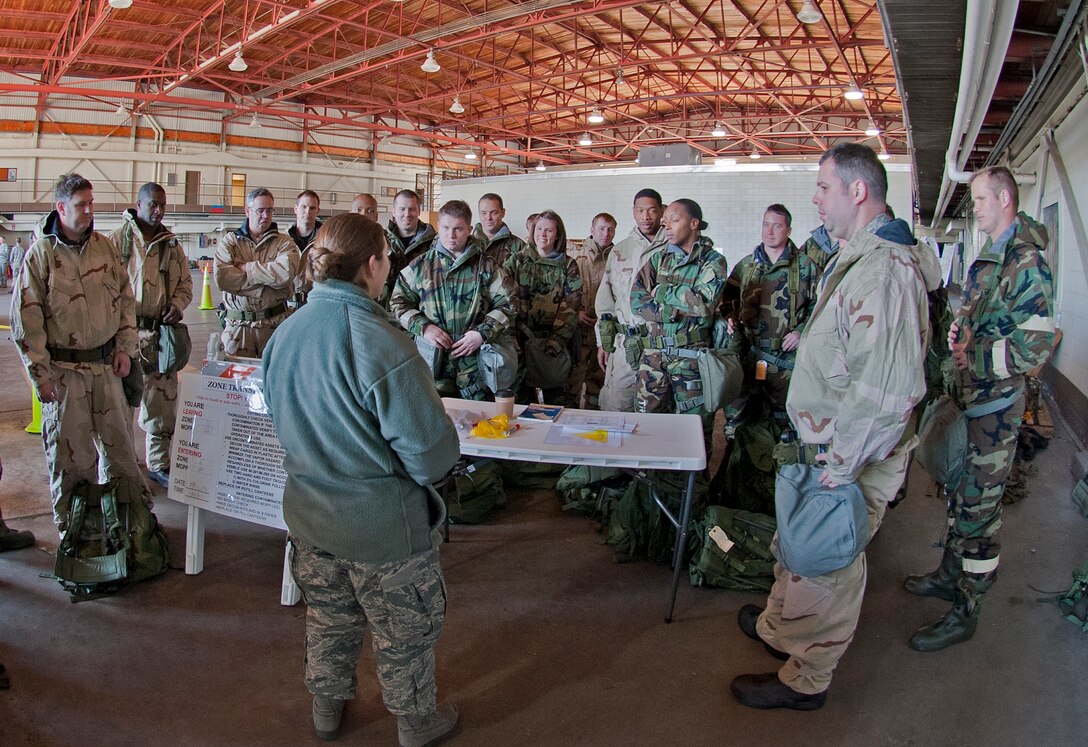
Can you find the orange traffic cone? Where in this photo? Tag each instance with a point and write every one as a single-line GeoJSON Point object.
{"type": "Point", "coordinates": [206, 294]}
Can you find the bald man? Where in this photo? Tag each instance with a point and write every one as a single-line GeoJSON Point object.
{"type": "Point", "coordinates": [366, 206]}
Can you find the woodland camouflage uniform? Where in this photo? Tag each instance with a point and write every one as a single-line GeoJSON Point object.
{"type": "Point", "coordinates": [676, 295]}
{"type": "Point", "coordinates": [401, 253]}
{"type": "Point", "coordinates": [459, 294]}
{"type": "Point", "coordinates": [501, 246]}
{"type": "Point", "coordinates": [158, 272]}
{"type": "Point", "coordinates": [767, 300]}
{"type": "Point", "coordinates": [1013, 332]}
{"type": "Point", "coordinates": [549, 290]}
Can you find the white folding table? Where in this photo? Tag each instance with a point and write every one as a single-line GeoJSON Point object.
{"type": "Point", "coordinates": [660, 442]}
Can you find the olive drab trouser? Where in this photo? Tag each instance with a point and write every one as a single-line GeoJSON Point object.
{"type": "Point", "coordinates": [813, 619]}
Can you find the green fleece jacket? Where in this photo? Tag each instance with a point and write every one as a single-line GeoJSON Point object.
{"type": "Point", "coordinates": [362, 426]}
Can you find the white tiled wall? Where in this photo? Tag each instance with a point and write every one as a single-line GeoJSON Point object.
{"type": "Point", "coordinates": [1071, 279]}
{"type": "Point", "coordinates": [733, 202]}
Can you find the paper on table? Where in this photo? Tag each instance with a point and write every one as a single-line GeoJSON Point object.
{"type": "Point", "coordinates": [559, 435]}
{"type": "Point", "coordinates": [597, 422]}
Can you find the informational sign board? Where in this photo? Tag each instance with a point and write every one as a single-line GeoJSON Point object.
{"type": "Point", "coordinates": [225, 455]}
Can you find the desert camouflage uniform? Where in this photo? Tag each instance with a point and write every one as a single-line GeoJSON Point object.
{"type": "Point", "coordinates": [256, 294]}
{"type": "Point", "coordinates": [858, 377]}
{"type": "Point", "coordinates": [18, 252]}
{"type": "Point", "coordinates": [459, 294]}
{"type": "Point", "coordinates": [549, 290]}
{"type": "Point", "coordinates": [1013, 332]}
{"type": "Point", "coordinates": [820, 247]}
{"type": "Point", "coordinates": [617, 323]}
{"type": "Point", "coordinates": [77, 297]}
{"type": "Point", "coordinates": [402, 603]}
{"type": "Point", "coordinates": [676, 294]}
{"type": "Point", "coordinates": [154, 292]}
{"type": "Point", "coordinates": [501, 246]}
{"type": "Point", "coordinates": [303, 284]}
{"type": "Point", "coordinates": [402, 252]}
{"type": "Point", "coordinates": [590, 259]}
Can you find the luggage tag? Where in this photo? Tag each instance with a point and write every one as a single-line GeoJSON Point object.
{"type": "Point", "coordinates": [719, 537]}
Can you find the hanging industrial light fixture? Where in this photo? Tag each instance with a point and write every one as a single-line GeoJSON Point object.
{"type": "Point", "coordinates": [619, 77]}
{"type": "Point", "coordinates": [755, 155]}
{"type": "Point", "coordinates": [540, 166]}
{"type": "Point", "coordinates": [883, 155]}
{"type": "Point", "coordinates": [718, 131]}
{"type": "Point", "coordinates": [456, 107]}
{"type": "Point", "coordinates": [470, 156]}
{"type": "Point", "coordinates": [809, 13]}
{"type": "Point", "coordinates": [120, 4]}
{"type": "Point", "coordinates": [430, 65]}
{"type": "Point", "coordinates": [121, 111]}
{"type": "Point", "coordinates": [585, 139]}
{"type": "Point", "coordinates": [853, 93]}
{"type": "Point", "coordinates": [254, 123]}
{"type": "Point", "coordinates": [595, 116]}
{"type": "Point", "coordinates": [238, 64]}
{"type": "Point", "coordinates": [872, 130]}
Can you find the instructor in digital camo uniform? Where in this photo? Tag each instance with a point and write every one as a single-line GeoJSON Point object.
{"type": "Point", "coordinates": [361, 442]}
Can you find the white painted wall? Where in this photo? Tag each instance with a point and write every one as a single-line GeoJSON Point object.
{"type": "Point", "coordinates": [1071, 136]}
{"type": "Point", "coordinates": [733, 200]}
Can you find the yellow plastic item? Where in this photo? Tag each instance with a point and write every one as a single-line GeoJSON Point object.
{"type": "Point", "coordinates": [601, 436]}
{"type": "Point", "coordinates": [35, 413]}
{"type": "Point", "coordinates": [206, 293]}
{"type": "Point", "coordinates": [496, 427]}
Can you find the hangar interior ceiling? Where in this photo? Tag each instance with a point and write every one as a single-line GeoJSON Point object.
{"type": "Point", "coordinates": [723, 77]}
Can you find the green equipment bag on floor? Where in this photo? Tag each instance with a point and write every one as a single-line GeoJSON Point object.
{"type": "Point", "coordinates": [748, 565]}
{"type": "Point", "coordinates": [112, 539]}
{"type": "Point", "coordinates": [476, 493]}
{"type": "Point", "coordinates": [1074, 603]}
{"type": "Point", "coordinates": [529, 475]}
{"type": "Point", "coordinates": [637, 526]}
{"type": "Point", "coordinates": [590, 491]}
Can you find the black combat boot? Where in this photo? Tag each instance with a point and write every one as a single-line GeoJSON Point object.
{"type": "Point", "coordinates": [940, 583]}
{"type": "Point", "coordinates": [957, 626]}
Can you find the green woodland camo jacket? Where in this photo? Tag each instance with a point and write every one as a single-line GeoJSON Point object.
{"type": "Point", "coordinates": [401, 253]}
{"type": "Point", "coordinates": [677, 294]}
{"type": "Point", "coordinates": [502, 246]}
{"type": "Point", "coordinates": [757, 295]}
{"type": "Point", "coordinates": [859, 370]}
{"type": "Point", "coordinates": [459, 294]}
{"type": "Point", "coordinates": [548, 293]}
{"type": "Point", "coordinates": [1013, 328]}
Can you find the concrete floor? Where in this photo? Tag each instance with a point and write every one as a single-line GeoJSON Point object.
{"type": "Point", "coordinates": [547, 641]}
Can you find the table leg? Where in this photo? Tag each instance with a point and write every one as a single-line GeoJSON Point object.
{"type": "Point", "coordinates": [681, 544]}
{"type": "Point", "coordinates": [194, 541]}
{"type": "Point", "coordinates": [289, 591]}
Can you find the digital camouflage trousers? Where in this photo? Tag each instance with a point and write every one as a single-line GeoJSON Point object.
{"type": "Point", "coordinates": [402, 603]}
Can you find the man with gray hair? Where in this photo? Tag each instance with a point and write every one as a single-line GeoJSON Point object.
{"type": "Point", "coordinates": [858, 375]}
{"type": "Point", "coordinates": [163, 287]}
{"type": "Point", "coordinates": [73, 318]}
{"type": "Point", "coordinates": [255, 267]}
